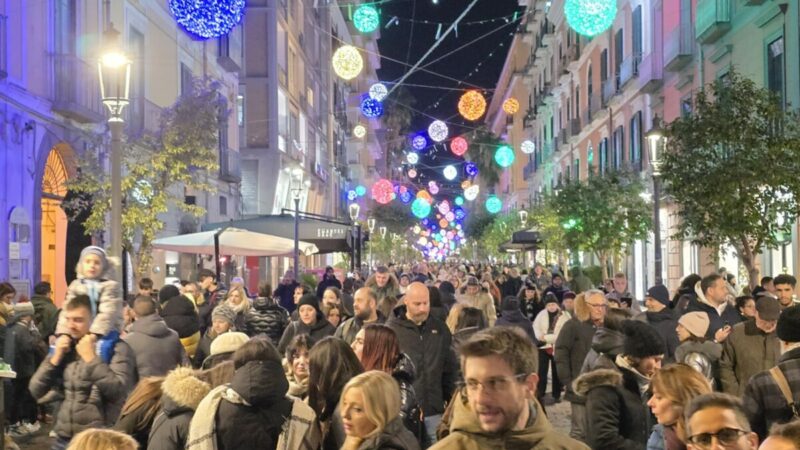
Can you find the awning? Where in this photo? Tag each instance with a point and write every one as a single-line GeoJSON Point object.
{"type": "Point", "coordinates": [233, 241]}
{"type": "Point", "coordinates": [328, 235]}
{"type": "Point", "coordinates": [522, 241]}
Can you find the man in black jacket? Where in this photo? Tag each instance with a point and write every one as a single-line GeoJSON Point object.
{"type": "Point", "coordinates": [365, 305]}
{"type": "Point", "coordinates": [328, 280]}
{"type": "Point", "coordinates": [661, 318]}
{"type": "Point", "coordinates": [427, 341]}
{"type": "Point", "coordinates": [712, 295]}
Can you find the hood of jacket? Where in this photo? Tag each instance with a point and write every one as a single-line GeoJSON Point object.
{"type": "Point", "coordinates": [514, 316]}
{"type": "Point", "coordinates": [392, 285]}
{"type": "Point", "coordinates": [702, 297]}
{"type": "Point", "coordinates": [152, 325]}
{"type": "Point", "coordinates": [709, 348]}
{"type": "Point", "coordinates": [596, 378]}
{"type": "Point", "coordinates": [178, 306]}
{"type": "Point", "coordinates": [608, 341]}
{"type": "Point", "coordinates": [260, 382]}
{"type": "Point", "coordinates": [665, 315]}
{"type": "Point", "coordinates": [404, 369]}
{"type": "Point", "coordinates": [182, 391]}
{"type": "Point", "coordinates": [265, 304]}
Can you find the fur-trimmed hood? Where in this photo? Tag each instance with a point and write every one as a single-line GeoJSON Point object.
{"type": "Point", "coordinates": [182, 391]}
{"type": "Point", "coordinates": [600, 377]}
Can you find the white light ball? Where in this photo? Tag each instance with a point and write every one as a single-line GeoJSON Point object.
{"type": "Point", "coordinates": [528, 147]}
{"type": "Point", "coordinates": [450, 172]}
{"type": "Point", "coordinates": [438, 130]}
{"type": "Point", "coordinates": [412, 158]}
{"type": "Point", "coordinates": [378, 91]}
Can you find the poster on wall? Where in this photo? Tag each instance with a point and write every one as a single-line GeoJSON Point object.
{"type": "Point", "coordinates": [23, 287]}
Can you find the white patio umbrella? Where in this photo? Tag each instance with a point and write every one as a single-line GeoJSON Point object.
{"type": "Point", "coordinates": [233, 241]}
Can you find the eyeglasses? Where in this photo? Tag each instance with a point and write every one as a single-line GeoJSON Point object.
{"type": "Point", "coordinates": [598, 305]}
{"type": "Point", "coordinates": [492, 385]}
{"type": "Point", "coordinates": [725, 437]}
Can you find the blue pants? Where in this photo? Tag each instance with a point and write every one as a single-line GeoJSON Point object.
{"type": "Point", "coordinates": [431, 424]}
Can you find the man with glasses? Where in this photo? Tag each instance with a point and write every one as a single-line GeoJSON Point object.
{"type": "Point", "coordinates": [717, 421]}
{"type": "Point", "coordinates": [496, 406]}
{"type": "Point", "coordinates": [572, 346]}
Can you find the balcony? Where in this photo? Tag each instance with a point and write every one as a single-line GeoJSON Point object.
{"type": "Point", "coordinates": [679, 47]}
{"type": "Point", "coordinates": [529, 170]}
{"type": "Point", "coordinates": [595, 105]}
{"type": "Point", "coordinates": [575, 127]}
{"type": "Point", "coordinates": [713, 20]}
{"type": "Point", "coordinates": [76, 92]}
{"type": "Point", "coordinates": [651, 72]}
{"type": "Point", "coordinates": [629, 69]}
{"type": "Point", "coordinates": [225, 56]}
{"type": "Point", "coordinates": [229, 167]}
{"type": "Point", "coordinates": [609, 89]}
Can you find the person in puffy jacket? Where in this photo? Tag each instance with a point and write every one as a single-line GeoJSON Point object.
{"type": "Point", "coordinates": [180, 315]}
{"type": "Point", "coordinates": [311, 322]}
{"type": "Point", "coordinates": [695, 350]}
{"type": "Point", "coordinates": [222, 319]}
{"type": "Point", "coordinates": [511, 315]}
{"type": "Point", "coordinates": [156, 347]}
{"type": "Point", "coordinates": [546, 328]}
{"type": "Point", "coordinates": [266, 316]}
{"type": "Point", "coordinates": [182, 393]}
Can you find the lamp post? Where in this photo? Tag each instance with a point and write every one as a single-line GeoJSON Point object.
{"type": "Point", "coordinates": [114, 70]}
{"type": "Point", "coordinates": [523, 219]}
{"type": "Point", "coordinates": [656, 139]}
{"type": "Point", "coordinates": [354, 209]}
{"type": "Point", "coordinates": [297, 190]}
{"type": "Point", "coordinates": [371, 227]}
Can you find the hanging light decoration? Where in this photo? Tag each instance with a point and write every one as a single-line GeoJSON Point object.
{"type": "Point", "coordinates": [460, 215]}
{"type": "Point", "coordinates": [366, 18]}
{"type": "Point", "coordinates": [382, 191]}
{"type": "Point", "coordinates": [420, 208]}
{"type": "Point", "coordinates": [511, 106]}
{"type": "Point", "coordinates": [459, 200]}
{"type": "Point", "coordinates": [347, 62]}
{"type": "Point", "coordinates": [444, 207]}
{"type": "Point", "coordinates": [504, 156]}
{"type": "Point", "coordinates": [378, 91]}
{"type": "Point", "coordinates": [590, 17]}
{"type": "Point", "coordinates": [437, 130]}
{"type": "Point", "coordinates": [351, 195]}
{"type": "Point", "coordinates": [423, 194]}
{"type": "Point", "coordinates": [406, 197]}
{"type": "Point", "coordinates": [528, 147]}
{"type": "Point", "coordinates": [371, 108]}
{"type": "Point", "coordinates": [471, 169]}
{"type": "Point", "coordinates": [361, 190]}
{"type": "Point", "coordinates": [419, 142]}
{"type": "Point", "coordinates": [433, 187]}
{"type": "Point", "coordinates": [493, 204]}
{"type": "Point", "coordinates": [472, 105]}
{"type": "Point", "coordinates": [459, 146]}
{"type": "Point", "coordinates": [206, 19]}
{"type": "Point", "coordinates": [412, 173]}
{"type": "Point", "coordinates": [450, 172]}
{"type": "Point", "coordinates": [412, 157]}
{"type": "Point", "coordinates": [471, 193]}
{"type": "Point", "coordinates": [359, 131]}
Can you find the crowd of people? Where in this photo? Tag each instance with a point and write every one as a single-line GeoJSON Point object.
{"type": "Point", "coordinates": [452, 355]}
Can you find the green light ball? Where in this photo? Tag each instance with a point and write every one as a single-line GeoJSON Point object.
{"type": "Point", "coordinates": [493, 204]}
{"type": "Point", "coordinates": [590, 17]}
{"type": "Point", "coordinates": [504, 156]}
{"type": "Point", "coordinates": [366, 19]}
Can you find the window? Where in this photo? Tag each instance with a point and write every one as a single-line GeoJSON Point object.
{"type": "Point", "coordinates": [186, 79]}
{"type": "Point", "coordinates": [66, 26]}
{"type": "Point", "coordinates": [576, 169]}
{"type": "Point", "coordinates": [604, 65]}
{"type": "Point", "coordinates": [240, 110]}
{"type": "Point", "coordinates": [283, 114]}
{"type": "Point", "coordinates": [637, 33]}
{"type": "Point", "coordinates": [775, 62]}
{"type": "Point", "coordinates": [578, 102]}
{"type": "Point", "coordinates": [223, 205]}
{"type": "Point", "coordinates": [618, 147]}
{"type": "Point", "coordinates": [223, 133]}
{"type": "Point", "coordinates": [136, 108]}
{"type": "Point", "coordinates": [686, 106]}
{"type": "Point", "coordinates": [619, 50]}
{"type": "Point", "coordinates": [636, 141]}
{"type": "Point", "coordinates": [603, 149]}
{"type": "Point", "coordinates": [589, 88]}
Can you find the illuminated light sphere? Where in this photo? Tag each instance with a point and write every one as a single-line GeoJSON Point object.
{"type": "Point", "coordinates": [417, 229]}
{"type": "Point", "coordinates": [465, 184]}
{"type": "Point", "coordinates": [590, 17]}
{"type": "Point", "coordinates": [443, 223]}
{"type": "Point", "coordinates": [459, 200]}
{"type": "Point", "coordinates": [401, 189]}
{"type": "Point", "coordinates": [437, 130]}
{"type": "Point", "coordinates": [378, 91]}
{"type": "Point", "coordinates": [459, 146]}
{"type": "Point", "coordinates": [450, 172]}
{"type": "Point", "coordinates": [472, 105]}
{"type": "Point", "coordinates": [382, 191]}
{"type": "Point", "coordinates": [460, 215]}
{"type": "Point", "coordinates": [450, 216]}
{"type": "Point", "coordinates": [527, 147]}
{"type": "Point", "coordinates": [511, 106]}
{"type": "Point", "coordinates": [351, 195]}
{"type": "Point", "coordinates": [361, 190]}
{"type": "Point", "coordinates": [471, 193]}
{"type": "Point", "coordinates": [493, 204]}
{"type": "Point", "coordinates": [412, 158]}
{"type": "Point", "coordinates": [423, 194]}
{"type": "Point", "coordinates": [420, 208]}
{"type": "Point", "coordinates": [444, 207]}
{"type": "Point", "coordinates": [471, 169]}
{"type": "Point", "coordinates": [504, 156]}
{"type": "Point", "coordinates": [433, 187]}
{"type": "Point", "coordinates": [419, 142]}
{"type": "Point", "coordinates": [412, 173]}
{"type": "Point", "coordinates": [207, 20]}
{"type": "Point", "coordinates": [347, 62]}
{"type": "Point", "coordinates": [371, 108]}
{"type": "Point", "coordinates": [406, 197]}
{"type": "Point", "coordinates": [359, 131]}
{"type": "Point", "coordinates": [366, 18]}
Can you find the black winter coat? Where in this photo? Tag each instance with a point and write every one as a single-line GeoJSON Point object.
{"type": "Point", "coordinates": [203, 349]}
{"type": "Point", "coordinates": [511, 287]}
{"type": "Point", "coordinates": [267, 317]}
{"type": "Point", "coordinates": [404, 373]}
{"type": "Point", "coordinates": [572, 346]}
{"type": "Point", "coordinates": [393, 437]}
{"type": "Point", "coordinates": [285, 292]}
{"type": "Point", "coordinates": [263, 386]}
{"type": "Point", "coordinates": [321, 329]}
{"type": "Point", "coordinates": [180, 315]}
{"type": "Point", "coordinates": [665, 323]}
{"type": "Point", "coordinates": [429, 347]}
{"type": "Point", "coordinates": [348, 330]}
{"type": "Point", "coordinates": [730, 316]}
{"type": "Point", "coordinates": [515, 318]}
{"type": "Point", "coordinates": [182, 393]}
{"type": "Point", "coordinates": [21, 349]}
{"type": "Point", "coordinates": [326, 283]}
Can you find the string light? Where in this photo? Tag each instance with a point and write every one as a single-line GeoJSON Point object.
{"type": "Point", "coordinates": [437, 130]}
{"type": "Point", "coordinates": [412, 157]}
{"type": "Point", "coordinates": [504, 156]}
{"type": "Point", "coordinates": [590, 17]}
{"type": "Point", "coordinates": [450, 172]}
{"type": "Point", "coordinates": [359, 131]}
{"type": "Point", "coordinates": [383, 191]}
{"type": "Point", "coordinates": [511, 106]}
{"type": "Point", "coordinates": [493, 204]}
{"type": "Point", "coordinates": [419, 142]}
{"type": "Point", "coordinates": [371, 108]}
{"type": "Point", "coordinates": [207, 19]}
{"type": "Point", "coordinates": [459, 200]}
{"type": "Point", "coordinates": [378, 91]}
{"type": "Point", "coordinates": [459, 146]}
{"type": "Point", "coordinates": [366, 19]}
{"type": "Point", "coordinates": [472, 105]}
{"type": "Point", "coordinates": [528, 147]}
{"type": "Point", "coordinates": [347, 62]}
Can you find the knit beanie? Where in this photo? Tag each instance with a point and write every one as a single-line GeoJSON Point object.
{"type": "Point", "coordinates": [23, 309]}
{"type": "Point", "coordinates": [641, 340]}
{"type": "Point", "coordinates": [167, 292]}
{"type": "Point", "coordinates": [568, 294]}
{"type": "Point", "coordinates": [510, 303]}
{"type": "Point", "coordinates": [224, 312]}
{"type": "Point", "coordinates": [228, 342]}
{"type": "Point", "coordinates": [659, 293]}
{"type": "Point", "coordinates": [788, 328]}
{"type": "Point", "coordinates": [99, 252]}
{"type": "Point", "coordinates": [550, 298]}
{"type": "Point", "coordinates": [695, 322]}
{"type": "Point", "coordinates": [310, 300]}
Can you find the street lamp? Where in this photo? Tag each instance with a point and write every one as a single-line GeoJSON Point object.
{"type": "Point", "coordinates": [114, 70]}
{"type": "Point", "coordinates": [523, 219]}
{"type": "Point", "coordinates": [371, 227]}
{"type": "Point", "coordinates": [297, 189]}
{"type": "Point", "coordinates": [354, 209]}
{"type": "Point", "coordinates": [382, 230]}
{"type": "Point", "coordinates": [656, 138]}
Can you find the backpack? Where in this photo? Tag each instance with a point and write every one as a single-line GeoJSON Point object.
{"type": "Point", "coordinates": [783, 385]}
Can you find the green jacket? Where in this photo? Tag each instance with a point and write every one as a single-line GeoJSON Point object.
{"type": "Point", "coordinates": [45, 315]}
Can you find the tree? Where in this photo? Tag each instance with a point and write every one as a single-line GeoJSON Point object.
{"type": "Point", "coordinates": [544, 219]}
{"type": "Point", "coordinates": [181, 154]}
{"type": "Point", "coordinates": [602, 214]}
{"type": "Point", "coordinates": [394, 216]}
{"type": "Point", "coordinates": [482, 145]}
{"type": "Point", "coordinates": [731, 168]}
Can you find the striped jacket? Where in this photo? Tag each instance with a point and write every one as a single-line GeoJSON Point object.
{"type": "Point", "coordinates": [764, 403]}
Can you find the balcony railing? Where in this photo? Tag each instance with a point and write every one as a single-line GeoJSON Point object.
{"type": "Point", "coordinates": [629, 69]}
{"type": "Point", "coordinates": [575, 127]}
{"type": "Point", "coordinates": [609, 89]}
{"type": "Point", "coordinates": [679, 47]}
{"type": "Point", "coordinates": [76, 91]}
{"type": "Point", "coordinates": [229, 167]}
{"type": "Point", "coordinates": [651, 71]}
{"type": "Point", "coordinates": [595, 104]}
{"type": "Point", "coordinates": [713, 20]}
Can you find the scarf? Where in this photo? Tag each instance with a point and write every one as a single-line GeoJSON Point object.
{"type": "Point", "coordinates": [203, 428]}
{"type": "Point", "coordinates": [642, 381]}
{"type": "Point", "coordinates": [93, 291]}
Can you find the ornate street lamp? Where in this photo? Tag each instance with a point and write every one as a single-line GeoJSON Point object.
{"type": "Point", "coordinates": [297, 189]}
{"type": "Point", "coordinates": [657, 142]}
{"type": "Point", "coordinates": [354, 209]}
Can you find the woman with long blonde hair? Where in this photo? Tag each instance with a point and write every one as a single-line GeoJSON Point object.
{"type": "Point", "coordinates": [370, 407]}
{"type": "Point", "coordinates": [238, 300]}
{"type": "Point", "coordinates": [672, 388]}
{"type": "Point", "coordinates": [99, 439]}
{"type": "Point", "coordinates": [140, 409]}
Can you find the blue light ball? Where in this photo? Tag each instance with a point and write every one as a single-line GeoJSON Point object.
{"type": "Point", "coordinates": [207, 19]}
{"type": "Point", "coordinates": [351, 195]}
{"type": "Point", "coordinates": [504, 156]}
{"type": "Point", "coordinates": [406, 197]}
{"type": "Point", "coordinates": [471, 169]}
{"type": "Point", "coordinates": [371, 108]}
{"type": "Point", "coordinates": [419, 142]}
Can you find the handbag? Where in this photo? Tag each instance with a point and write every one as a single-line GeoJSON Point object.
{"type": "Point", "coordinates": [783, 385]}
